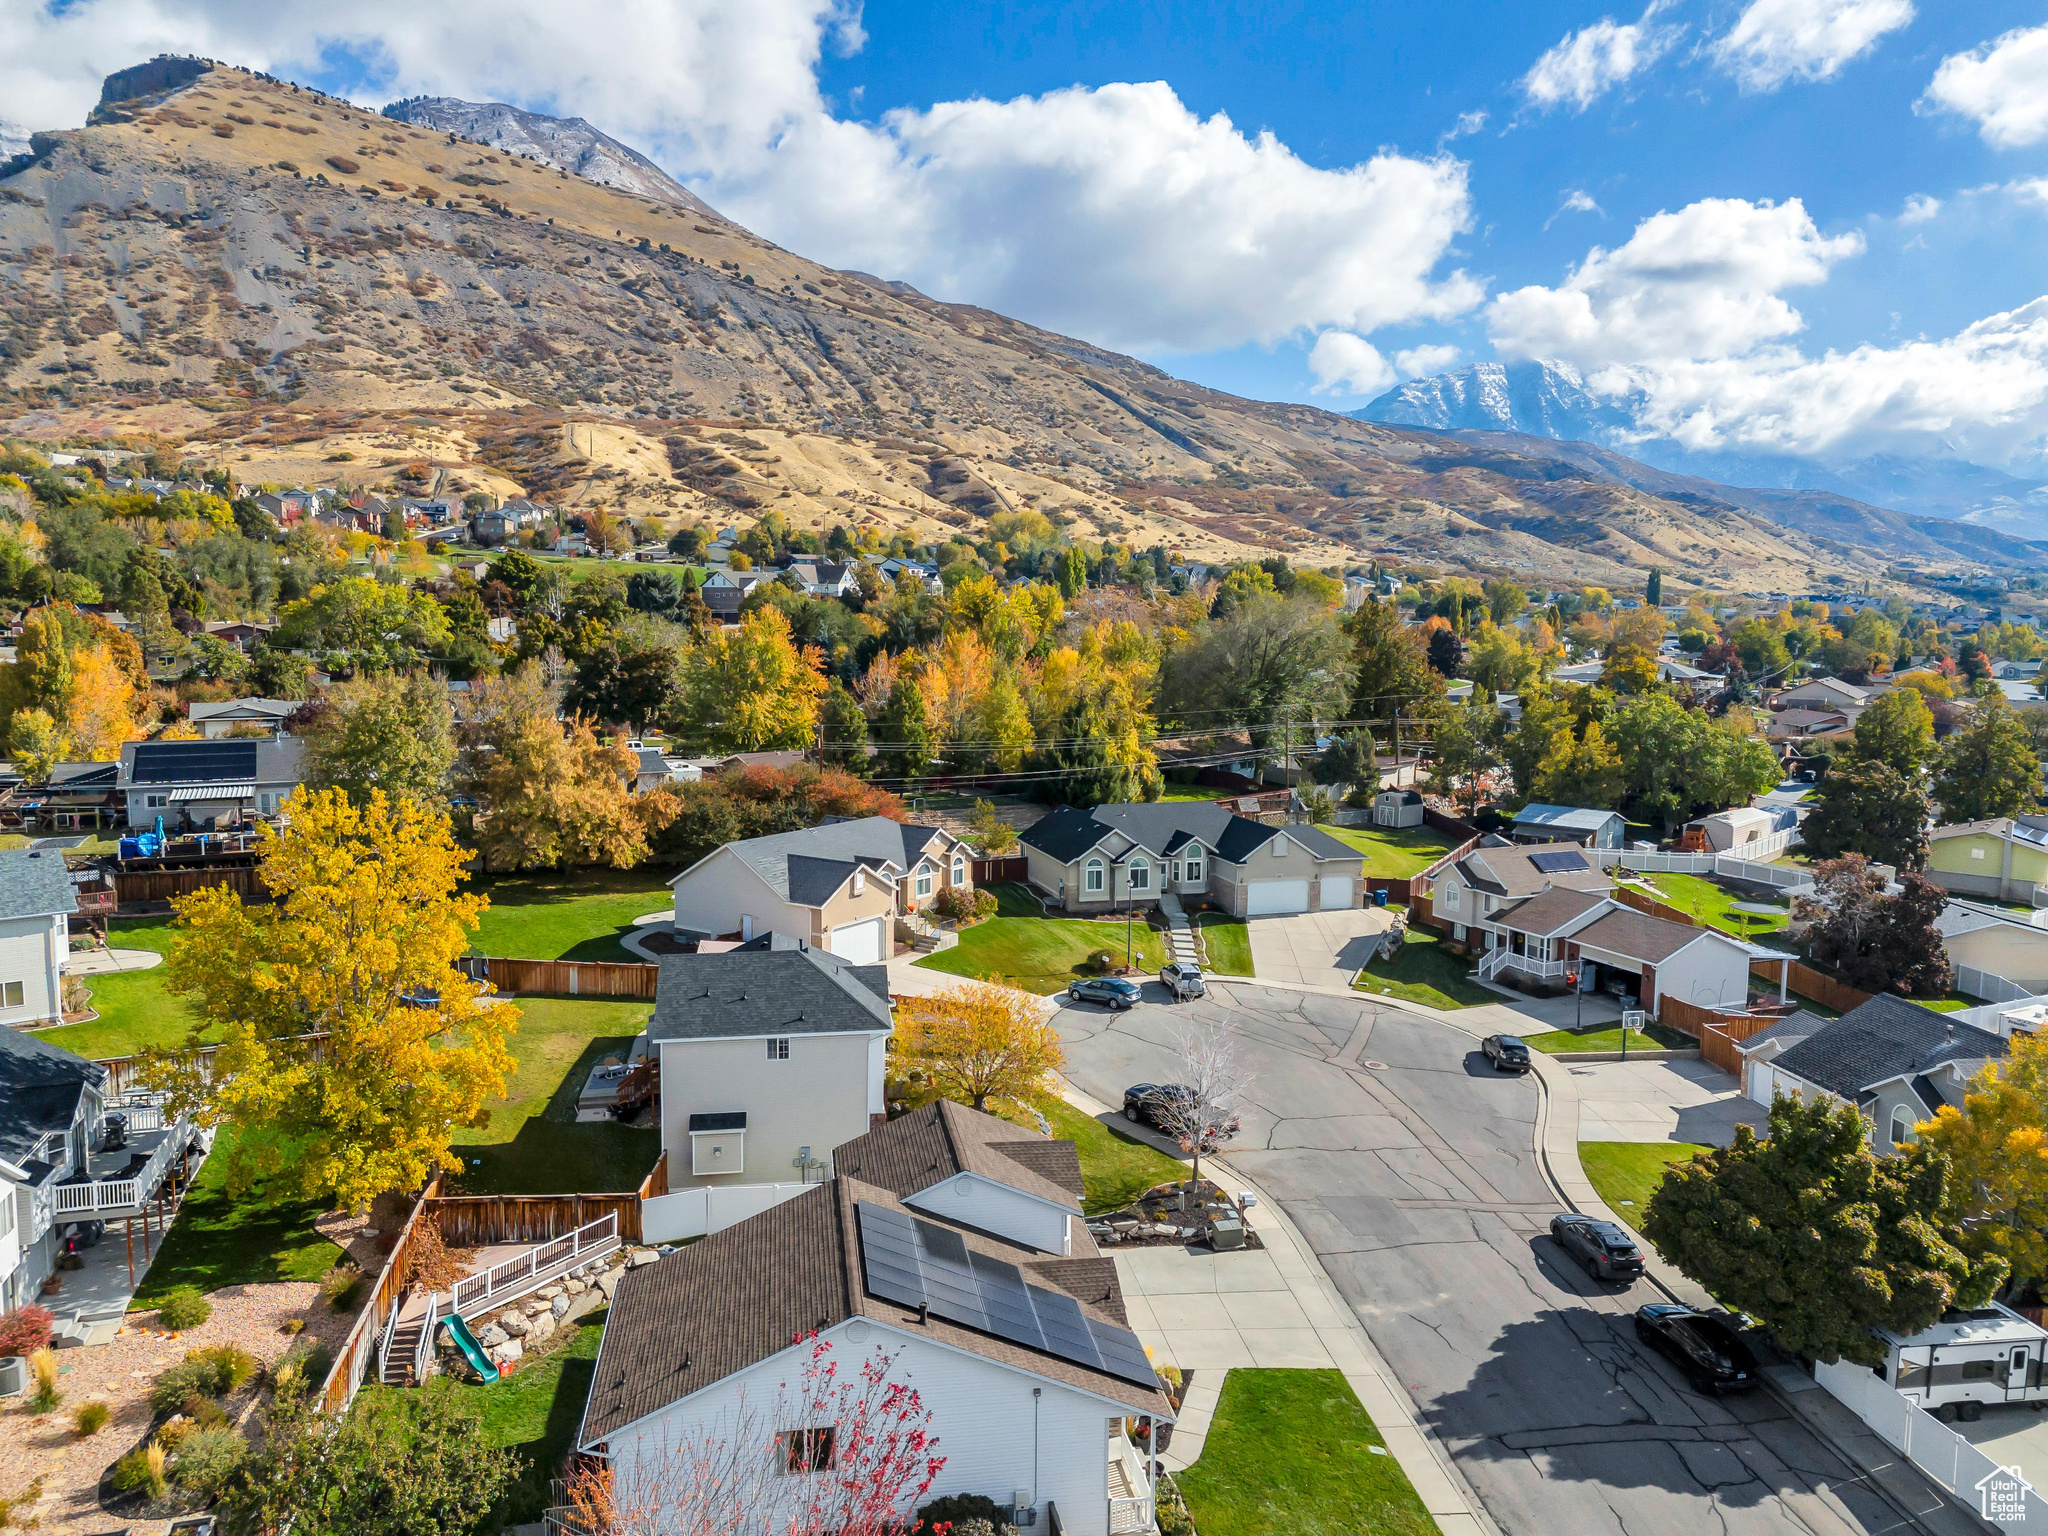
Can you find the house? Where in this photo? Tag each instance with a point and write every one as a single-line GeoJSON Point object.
{"type": "Point", "coordinates": [741, 581]}
{"type": "Point", "coordinates": [36, 900]}
{"type": "Point", "coordinates": [1827, 694]}
{"type": "Point", "coordinates": [240, 633]}
{"type": "Point", "coordinates": [894, 570]}
{"type": "Point", "coordinates": [932, 1259]}
{"type": "Point", "coordinates": [217, 719]}
{"type": "Point", "coordinates": [1669, 670]}
{"type": "Point", "coordinates": [1997, 942]}
{"type": "Point", "coordinates": [78, 796]}
{"type": "Point", "coordinates": [766, 1056]}
{"type": "Point", "coordinates": [1397, 808]}
{"type": "Point", "coordinates": [68, 1154]}
{"type": "Point", "coordinates": [2015, 671]}
{"type": "Point", "coordinates": [838, 886]}
{"type": "Point", "coordinates": [1135, 855]}
{"type": "Point", "coordinates": [1756, 1052]}
{"type": "Point", "coordinates": [190, 783]}
{"type": "Point", "coordinates": [1895, 1061]}
{"type": "Point", "coordinates": [1536, 823]}
{"type": "Point", "coordinates": [823, 578]}
{"type": "Point", "coordinates": [2005, 858]}
{"type": "Point", "coordinates": [1795, 724]}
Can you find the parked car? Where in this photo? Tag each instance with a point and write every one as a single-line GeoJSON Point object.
{"type": "Point", "coordinates": [1183, 980]}
{"type": "Point", "coordinates": [1704, 1346]}
{"type": "Point", "coordinates": [1159, 1105]}
{"type": "Point", "coordinates": [1506, 1052]}
{"type": "Point", "coordinates": [1607, 1251]}
{"type": "Point", "coordinates": [1110, 991]}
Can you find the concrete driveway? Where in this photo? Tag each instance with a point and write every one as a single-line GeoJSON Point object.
{"type": "Point", "coordinates": [1662, 1101]}
{"type": "Point", "coordinates": [1316, 949]}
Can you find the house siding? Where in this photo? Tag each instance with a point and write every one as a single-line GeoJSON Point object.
{"type": "Point", "coordinates": [1229, 884]}
{"type": "Point", "coordinates": [1222, 882]}
{"type": "Point", "coordinates": [876, 899]}
{"type": "Point", "coordinates": [819, 1097]}
{"type": "Point", "coordinates": [32, 952]}
{"type": "Point", "coordinates": [1984, 864]}
{"type": "Point", "coordinates": [990, 1207]}
{"type": "Point", "coordinates": [2004, 949]}
{"type": "Point", "coordinates": [1707, 973]}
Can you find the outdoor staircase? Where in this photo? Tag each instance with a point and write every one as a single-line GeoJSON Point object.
{"type": "Point", "coordinates": [1181, 943]}
{"type": "Point", "coordinates": [395, 1369]}
{"type": "Point", "coordinates": [925, 936]}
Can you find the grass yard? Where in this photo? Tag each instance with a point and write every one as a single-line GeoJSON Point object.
{"type": "Point", "coordinates": [1711, 904]}
{"type": "Point", "coordinates": [535, 1412]}
{"type": "Point", "coordinates": [567, 915]}
{"type": "Point", "coordinates": [1627, 1173]}
{"type": "Point", "coordinates": [1023, 947]}
{"type": "Point", "coordinates": [1426, 972]}
{"type": "Point", "coordinates": [1291, 1453]}
{"type": "Point", "coordinates": [1115, 1169]}
{"type": "Point", "coordinates": [1393, 852]}
{"type": "Point", "coordinates": [1607, 1037]}
{"type": "Point", "coordinates": [533, 1145]}
{"type": "Point", "coordinates": [135, 1007]}
{"type": "Point", "coordinates": [1226, 942]}
{"type": "Point", "coordinates": [218, 1241]}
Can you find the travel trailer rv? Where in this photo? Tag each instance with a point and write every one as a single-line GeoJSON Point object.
{"type": "Point", "coordinates": [1968, 1359]}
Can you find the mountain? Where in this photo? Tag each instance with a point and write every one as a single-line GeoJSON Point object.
{"type": "Point", "coordinates": [560, 143]}
{"type": "Point", "coordinates": [303, 292]}
{"type": "Point", "coordinates": [13, 139]}
{"type": "Point", "coordinates": [1551, 399]}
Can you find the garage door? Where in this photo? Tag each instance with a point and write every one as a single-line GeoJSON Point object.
{"type": "Point", "coordinates": [1265, 897]}
{"type": "Point", "coordinates": [859, 942]}
{"type": "Point", "coordinates": [1336, 892]}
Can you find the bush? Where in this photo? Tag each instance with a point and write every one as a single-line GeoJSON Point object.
{"type": "Point", "coordinates": [42, 1366]}
{"type": "Point", "coordinates": [956, 1508]}
{"type": "Point", "coordinates": [293, 1325]}
{"type": "Point", "coordinates": [233, 1368]}
{"type": "Point", "coordinates": [203, 1374]}
{"type": "Point", "coordinates": [183, 1307]}
{"type": "Point", "coordinates": [965, 906]}
{"type": "Point", "coordinates": [132, 1471]}
{"type": "Point", "coordinates": [430, 1263]}
{"type": "Point", "coordinates": [309, 1361]}
{"type": "Point", "coordinates": [342, 1287]}
{"type": "Point", "coordinates": [90, 1419]}
{"type": "Point", "coordinates": [24, 1330]}
{"type": "Point", "coordinates": [208, 1458]}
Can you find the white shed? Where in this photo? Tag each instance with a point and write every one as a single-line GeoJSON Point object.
{"type": "Point", "coordinates": [1397, 808]}
{"type": "Point", "coordinates": [1730, 831]}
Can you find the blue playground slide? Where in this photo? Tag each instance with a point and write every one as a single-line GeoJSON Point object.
{"type": "Point", "coordinates": [472, 1351]}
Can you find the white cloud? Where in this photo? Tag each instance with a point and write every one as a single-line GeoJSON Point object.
{"type": "Point", "coordinates": [2032, 190]}
{"type": "Point", "coordinates": [1575, 201]}
{"type": "Point", "coordinates": [1585, 64]}
{"type": "Point", "coordinates": [1920, 209]}
{"type": "Point", "coordinates": [1349, 365]}
{"type": "Point", "coordinates": [1415, 362]}
{"type": "Point", "coordinates": [1702, 282]}
{"type": "Point", "coordinates": [1468, 122]}
{"type": "Point", "coordinates": [1774, 41]}
{"type": "Point", "coordinates": [1114, 213]}
{"type": "Point", "coordinates": [2003, 87]}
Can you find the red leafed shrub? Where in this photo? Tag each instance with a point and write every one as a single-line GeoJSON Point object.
{"type": "Point", "coordinates": [24, 1330]}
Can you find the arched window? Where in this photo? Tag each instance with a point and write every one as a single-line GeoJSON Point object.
{"type": "Point", "coordinates": [1193, 871]}
{"type": "Point", "coordinates": [924, 879]}
{"type": "Point", "coordinates": [959, 869]}
{"type": "Point", "coordinates": [1141, 876]}
{"type": "Point", "coordinates": [1902, 1126]}
{"type": "Point", "coordinates": [1091, 881]}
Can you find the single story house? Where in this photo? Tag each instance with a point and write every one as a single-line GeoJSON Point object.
{"type": "Point", "coordinates": [838, 886]}
{"type": "Point", "coordinates": [190, 783]}
{"type": "Point", "coordinates": [78, 796]}
{"type": "Point", "coordinates": [1798, 723]}
{"type": "Point", "coordinates": [1397, 808]}
{"type": "Point", "coordinates": [2005, 857]}
{"type": "Point", "coordinates": [1997, 941]}
{"type": "Point", "coordinates": [2013, 671]}
{"type": "Point", "coordinates": [1537, 823]}
{"type": "Point", "coordinates": [1828, 694]}
{"type": "Point", "coordinates": [921, 1269]}
{"type": "Point", "coordinates": [1897, 1062]}
{"type": "Point", "coordinates": [767, 1059]}
{"type": "Point", "coordinates": [37, 898]}
{"type": "Point", "coordinates": [1546, 939]}
{"type": "Point", "coordinates": [240, 633]}
{"type": "Point", "coordinates": [217, 719]}
{"type": "Point", "coordinates": [1116, 855]}
{"type": "Point", "coordinates": [1758, 1051]}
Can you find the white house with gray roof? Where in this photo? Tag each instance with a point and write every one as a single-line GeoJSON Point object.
{"type": "Point", "coordinates": [217, 719]}
{"type": "Point", "coordinates": [36, 901]}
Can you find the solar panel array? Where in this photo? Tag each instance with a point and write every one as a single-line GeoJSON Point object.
{"type": "Point", "coordinates": [194, 762]}
{"type": "Point", "coordinates": [1558, 860]}
{"type": "Point", "coordinates": [922, 1264]}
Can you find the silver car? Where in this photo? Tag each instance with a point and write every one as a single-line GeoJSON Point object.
{"type": "Point", "coordinates": [1183, 980]}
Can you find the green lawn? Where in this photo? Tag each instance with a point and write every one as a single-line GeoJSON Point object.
{"type": "Point", "coordinates": [1021, 946]}
{"type": "Point", "coordinates": [135, 1007]}
{"type": "Point", "coordinates": [1627, 1173]}
{"type": "Point", "coordinates": [1227, 943]}
{"type": "Point", "coordinates": [576, 915]}
{"type": "Point", "coordinates": [1290, 1453]}
{"type": "Point", "coordinates": [533, 1145]}
{"type": "Point", "coordinates": [218, 1241]}
{"type": "Point", "coordinates": [1608, 1038]}
{"type": "Point", "coordinates": [1427, 972]}
{"type": "Point", "coordinates": [535, 1412]}
{"type": "Point", "coordinates": [1706, 902]}
{"type": "Point", "coordinates": [1392, 852]}
{"type": "Point", "coordinates": [1115, 1170]}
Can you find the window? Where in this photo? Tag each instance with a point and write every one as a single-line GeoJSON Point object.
{"type": "Point", "coordinates": [10, 994]}
{"type": "Point", "coordinates": [1091, 882]}
{"type": "Point", "coordinates": [778, 1049]}
{"type": "Point", "coordinates": [1141, 876]}
{"type": "Point", "coordinates": [156, 802]}
{"type": "Point", "coordinates": [808, 1450]}
{"type": "Point", "coordinates": [1902, 1126]}
{"type": "Point", "coordinates": [959, 869]}
{"type": "Point", "coordinates": [1979, 1370]}
{"type": "Point", "coordinates": [1453, 898]}
{"type": "Point", "coordinates": [1194, 868]}
{"type": "Point", "coordinates": [924, 879]}
{"type": "Point", "coordinates": [1976, 853]}
{"type": "Point", "coordinates": [1279, 847]}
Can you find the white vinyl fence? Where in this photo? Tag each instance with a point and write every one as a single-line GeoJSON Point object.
{"type": "Point", "coordinates": [700, 1212]}
{"type": "Point", "coordinates": [1785, 877]}
{"type": "Point", "coordinates": [1932, 1446]}
{"type": "Point", "coordinates": [1993, 989]}
{"type": "Point", "coordinates": [1987, 1017]}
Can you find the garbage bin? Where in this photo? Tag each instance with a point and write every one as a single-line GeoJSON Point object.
{"type": "Point", "coordinates": [1379, 896]}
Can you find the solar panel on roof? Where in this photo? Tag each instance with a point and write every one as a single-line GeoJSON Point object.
{"type": "Point", "coordinates": [1558, 861]}
{"type": "Point", "coordinates": [195, 762]}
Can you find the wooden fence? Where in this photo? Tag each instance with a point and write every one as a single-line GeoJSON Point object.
{"type": "Point", "coordinates": [1397, 889]}
{"type": "Point", "coordinates": [146, 887]}
{"type": "Point", "coordinates": [1818, 985]}
{"type": "Point", "coordinates": [989, 871]}
{"type": "Point", "coordinates": [1628, 896]}
{"type": "Point", "coordinates": [568, 978]}
{"type": "Point", "coordinates": [1456, 828]}
{"type": "Point", "coordinates": [477, 1221]}
{"type": "Point", "coordinates": [352, 1362]}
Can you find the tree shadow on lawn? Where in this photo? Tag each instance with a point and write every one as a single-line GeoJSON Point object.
{"type": "Point", "coordinates": [543, 1455]}
{"type": "Point", "coordinates": [552, 1154]}
{"type": "Point", "coordinates": [608, 948]}
{"type": "Point", "coordinates": [220, 1240]}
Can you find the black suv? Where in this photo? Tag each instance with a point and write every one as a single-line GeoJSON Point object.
{"type": "Point", "coordinates": [1163, 1107]}
{"type": "Point", "coordinates": [1711, 1353]}
{"type": "Point", "coordinates": [1607, 1251]}
{"type": "Point", "coordinates": [1506, 1052]}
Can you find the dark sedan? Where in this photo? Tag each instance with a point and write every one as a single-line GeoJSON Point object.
{"type": "Point", "coordinates": [1607, 1251]}
{"type": "Point", "coordinates": [1163, 1106]}
{"type": "Point", "coordinates": [1110, 991]}
{"type": "Point", "coordinates": [1711, 1353]}
{"type": "Point", "coordinates": [1506, 1052]}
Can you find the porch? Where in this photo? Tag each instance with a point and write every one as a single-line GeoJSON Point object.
{"type": "Point", "coordinates": [1130, 1487]}
{"type": "Point", "coordinates": [133, 1148]}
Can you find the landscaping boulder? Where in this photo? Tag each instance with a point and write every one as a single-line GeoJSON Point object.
{"type": "Point", "coordinates": [608, 1283]}
{"type": "Point", "coordinates": [514, 1324]}
{"type": "Point", "coordinates": [542, 1330]}
{"type": "Point", "coordinates": [641, 1256]}
{"type": "Point", "coordinates": [559, 1307]}
{"type": "Point", "coordinates": [508, 1351]}
{"type": "Point", "coordinates": [491, 1337]}
{"type": "Point", "coordinates": [535, 1307]}
{"type": "Point", "coordinates": [549, 1292]}
{"type": "Point", "coordinates": [574, 1287]}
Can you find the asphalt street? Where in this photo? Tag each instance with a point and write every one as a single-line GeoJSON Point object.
{"type": "Point", "coordinates": [1411, 1168]}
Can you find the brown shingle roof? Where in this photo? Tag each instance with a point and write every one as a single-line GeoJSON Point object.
{"type": "Point", "coordinates": [1544, 915]}
{"type": "Point", "coordinates": [930, 1145]}
{"type": "Point", "coordinates": [1508, 872]}
{"type": "Point", "coordinates": [1637, 935]}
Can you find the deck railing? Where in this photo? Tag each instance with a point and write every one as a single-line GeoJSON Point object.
{"type": "Point", "coordinates": [90, 1195]}
{"type": "Point", "coordinates": [535, 1267]}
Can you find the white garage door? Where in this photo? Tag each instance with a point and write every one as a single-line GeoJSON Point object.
{"type": "Point", "coordinates": [1336, 892]}
{"type": "Point", "coordinates": [859, 942]}
{"type": "Point", "coordinates": [1265, 897]}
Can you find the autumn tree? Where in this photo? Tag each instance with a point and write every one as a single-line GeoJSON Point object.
{"type": "Point", "coordinates": [1462, 756]}
{"type": "Point", "coordinates": [1873, 940]}
{"type": "Point", "coordinates": [980, 1043]}
{"type": "Point", "coordinates": [750, 689]}
{"type": "Point", "coordinates": [1868, 807]}
{"type": "Point", "coordinates": [1998, 1149]}
{"type": "Point", "coordinates": [1817, 1237]}
{"type": "Point", "coordinates": [1585, 772]}
{"type": "Point", "coordinates": [348, 1048]}
{"type": "Point", "coordinates": [364, 625]}
{"type": "Point", "coordinates": [1898, 731]}
{"type": "Point", "coordinates": [391, 731]}
{"type": "Point", "coordinates": [1988, 768]}
{"type": "Point", "coordinates": [1389, 668]}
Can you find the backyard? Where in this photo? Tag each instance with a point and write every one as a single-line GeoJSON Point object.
{"type": "Point", "coordinates": [1292, 1453]}
{"type": "Point", "coordinates": [1715, 906]}
{"type": "Point", "coordinates": [1395, 853]}
{"type": "Point", "coordinates": [572, 915]}
{"type": "Point", "coordinates": [1022, 946]}
{"type": "Point", "coordinates": [1627, 1173]}
{"type": "Point", "coordinates": [1426, 972]}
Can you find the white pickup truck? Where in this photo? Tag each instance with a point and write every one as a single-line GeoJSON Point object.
{"type": "Point", "coordinates": [1183, 981]}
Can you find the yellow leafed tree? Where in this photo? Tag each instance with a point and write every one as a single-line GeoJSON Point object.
{"type": "Point", "coordinates": [350, 1049]}
{"type": "Point", "coordinates": [981, 1043]}
{"type": "Point", "coordinates": [2000, 1156]}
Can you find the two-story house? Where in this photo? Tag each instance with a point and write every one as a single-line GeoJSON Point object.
{"type": "Point", "coordinates": [192, 783]}
{"type": "Point", "coordinates": [37, 898]}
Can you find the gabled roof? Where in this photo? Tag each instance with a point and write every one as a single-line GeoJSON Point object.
{"type": "Point", "coordinates": [40, 1086]}
{"type": "Point", "coordinates": [806, 866]}
{"type": "Point", "coordinates": [1788, 1031]}
{"type": "Point", "coordinates": [2024, 829]}
{"type": "Point", "coordinates": [930, 1145]}
{"type": "Point", "coordinates": [35, 884]}
{"type": "Point", "coordinates": [746, 993]}
{"type": "Point", "coordinates": [1552, 912]}
{"type": "Point", "coordinates": [1577, 817]}
{"type": "Point", "coordinates": [1652, 940]}
{"type": "Point", "coordinates": [1166, 827]}
{"type": "Point", "coordinates": [1880, 1040]}
{"type": "Point", "coordinates": [251, 709]}
{"type": "Point", "coordinates": [1508, 869]}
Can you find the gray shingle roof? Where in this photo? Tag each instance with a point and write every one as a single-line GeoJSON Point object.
{"type": "Point", "coordinates": [1167, 826]}
{"type": "Point", "coordinates": [1625, 931]}
{"type": "Point", "coordinates": [1506, 870]}
{"type": "Point", "coordinates": [776, 992]}
{"type": "Point", "coordinates": [1545, 914]}
{"type": "Point", "coordinates": [1564, 816]}
{"type": "Point", "coordinates": [1788, 1031]}
{"type": "Point", "coordinates": [1884, 1038]}
{"type": "Point", "coordinates": [806, 866]}
{"type": "Point", "coordinates": [39, 1088]}
{"type": "Point", "coordinates": [35, 884]}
